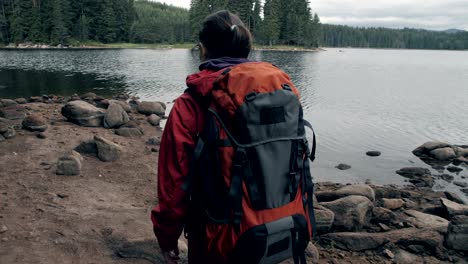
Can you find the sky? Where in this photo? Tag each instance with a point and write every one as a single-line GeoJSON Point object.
{"type": "Point", "coordinates": [427, 14]}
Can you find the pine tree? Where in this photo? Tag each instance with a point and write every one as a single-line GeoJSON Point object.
{"type": "Point", "coordinates": [271, 23]}
{"type": "Point", "coordinates": [59, 33]}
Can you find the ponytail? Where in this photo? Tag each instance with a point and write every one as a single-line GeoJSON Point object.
{"type": "Point", "coordinates": [224, 35]}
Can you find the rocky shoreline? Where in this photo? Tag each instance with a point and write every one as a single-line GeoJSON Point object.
{"type": "Point", "coordinates": [78, 181]}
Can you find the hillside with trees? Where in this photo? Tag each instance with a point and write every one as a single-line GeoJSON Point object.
{"type": "Point", "coordinates": [272, 22]}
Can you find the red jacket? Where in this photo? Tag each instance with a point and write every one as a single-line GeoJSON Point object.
{"type": "Point", "coordinates": [185, 121]}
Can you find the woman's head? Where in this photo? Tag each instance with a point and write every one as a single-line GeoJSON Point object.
{"type": "Point", "coordinates": [224, 35]}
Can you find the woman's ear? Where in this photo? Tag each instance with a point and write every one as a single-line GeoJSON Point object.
{"type": "Point", "coordinates": [203, 54]}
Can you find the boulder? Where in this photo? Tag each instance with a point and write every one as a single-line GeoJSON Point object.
{"type": "Point", "coordinates": [129, 132]}
{"type": "Point", "coordinates": [324, 219]}
{"type": "Point", "coordinates": [457, 234]}
{"type": "Point", "coordinates": [355, 189]}
{"type": "Point", "coordinates": [21, 100]}
{"type": "Point", "coordinates": [107, 150]}
{"type": "Point", "coordinates": [429, 146]}
{"type": "Point", "coordinates": [452, 208]}
{"type": "Point", "coordinates": [443, 154]}
{"type": "Point", "coordinates": [88, 96]}
{"type": "Point", "coordinates": [2, 138]}
{"type": "Point", "coordinates": [35, 122]}
{"type": "Point", "coordinates": [392, 204]}
{"type": "Point", "coordinates": [355, 241]}
{"type": "Point", "coordinates": [148, 108]}
{"type": "Point", "coordinates": [343, 166]}
{"type": "Point", "coordinates": [4, 124]}
{"type": "Point", "coordinates": [83, 113]}
{"type": "Point", "coordinates": [420, 241]}
{"type": "Point", "coordinates": [14, 112]}
{"type": "Point", "coordinates": [35, 99]}
{"type": "Point", "coordinates": [351, 212]}
{"type": "Point", "coordinates": [373, 153]}
{"type": "Point", "coordinates": [404, 257]}
{"type": "Point", "coordinates": [423, 220]}
{"type": "Point", "coordinates": [154, 120]}
{"type": "Point", "coordinates": [69, 164]}
{"type": "Point", "coordinates": [8, 102]}
{"type": "Point", "coordinates": [123, 104]}
{"type": "Point", "coordinates": [115, 116]}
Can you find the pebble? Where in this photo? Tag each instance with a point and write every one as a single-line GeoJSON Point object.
{"type": "Point", "coordinates": [41, 135]}
{"type": "Point", "coordinates": [5, 239]}
{"type": "Point", "coordinates": [388, 253]}
{"type": "Point", "coordinates": [3, 229]}
{"type": "Point", "coordinates": [154, 150]}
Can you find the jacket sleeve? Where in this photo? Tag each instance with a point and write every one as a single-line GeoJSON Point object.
{"type": "Point", "coordinates": [175, 152]}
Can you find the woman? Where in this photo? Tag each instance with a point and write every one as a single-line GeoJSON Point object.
{"type": "Point", "coordinates": [224, 42]}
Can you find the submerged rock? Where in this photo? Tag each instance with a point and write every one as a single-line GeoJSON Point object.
{"type": "Point", "coordinates": [454, 169]}
{"type": "Point", "coordinates": [83, 113]}
{"type": "Point", "coordinates": [343, 166]}
{"type": "Point", "coordinates": [420, 177]}
{"type": "Point", "coordinates": [373, 153]}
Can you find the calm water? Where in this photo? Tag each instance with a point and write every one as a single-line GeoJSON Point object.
{"type": "Point", "coordinates": [357, 99]}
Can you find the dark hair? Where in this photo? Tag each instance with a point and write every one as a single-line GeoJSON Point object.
{"type": "Point", "coordinates": [224, 35]}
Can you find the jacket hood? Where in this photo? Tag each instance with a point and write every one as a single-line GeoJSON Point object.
{"type": "Point", "coordinates": [200, 84]}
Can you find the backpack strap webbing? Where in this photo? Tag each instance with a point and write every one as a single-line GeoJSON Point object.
{"type": "Point", "coordinates": [193, 163]}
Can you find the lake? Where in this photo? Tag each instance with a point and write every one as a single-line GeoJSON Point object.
{"type": "Point", "coordinates": [357, 99]}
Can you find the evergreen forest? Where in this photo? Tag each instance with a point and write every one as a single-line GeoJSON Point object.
{"type": "Point", "coordinates": [272, 22]}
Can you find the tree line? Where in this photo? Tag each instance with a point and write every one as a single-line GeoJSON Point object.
{"type": "Point", "coordinates": [272, 22]}
{"type": "Point", "coordinates": [346, 36]}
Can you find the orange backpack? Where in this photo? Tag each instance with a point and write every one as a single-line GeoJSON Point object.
{"type": "Point", "coordinates": [249, 182]}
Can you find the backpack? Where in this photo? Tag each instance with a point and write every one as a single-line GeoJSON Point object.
{"type": "Point", "coordinates": [249, 178]}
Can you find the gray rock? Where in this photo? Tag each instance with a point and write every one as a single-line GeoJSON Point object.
{"type": "Point", "coordinates": [129, 132]}
{"type": "Point", "coordinates": [443, 154]}
{"type": "Point", "coordinates": [2, 138]}
{"type": "Point", "coordinates": [404, 257]}
{"type": "Point", "coordinates": [88, 96]}
{"type": "Point", "coordinates": [35, 99]}
{"type": "Point", "coordinates": [324, 219]}
{"type": "Point", "coordinates": [148, 108]}
{"type": "Point", "coordinates": [14, 112]}
{"type": "Point", "coordinates": [83, 113]}
{"type": "Point", "coordinates": [351, 212]}
{"type": "Point", "coordinates": [154, 120]}
{"type": "Point", "coordinates": [123, 104]}
{"type": "Point", "coordinates": [156, 141]}
{"type": "Point", "coordinates": [41, 135]}
{"type": "Point", "coordinates": [429, 146]}
{"type": "Point", "coordinates": [457, 234]}
{"type": "Point", "coordinates": [8, 102]}
{"type": "Point", "coordinates": [392, 204]}
{"type": "Point", "coordinates": [3, 125]}
{"type": "Point", "coordinates": [355, 241]}
{"type": "Point", "coordinates": [115, 116]}
{"type": "Point", "coordinates": [355, 189]}
{"type": "Point", "coordinates": [373, 153]}
{"type": "Point", "coordinates": [445, 177]}
{"type": "Point", "coordinates": [10, 133]}
{"type": "Point", "coordinates": [106, 150]}
{"type": "Point", "coordinates": [69, 164]}
{"type": "Point", "coordinates": [461, 184]}
{"type": "Point", "coordinates": [21, 100]}
{"type": "Point", "coordinates": [343, 166]}
{"type": "Point", "coordinates": [421, 241]}
{"type": "Point", "coordinates": [454, 197]}
{"type": "Point", "coordinates": [312, 253]}
{"type": "Point", "coordinates": [452, 208]}
{"type": "Point", "coordinates": [35, 122]}
{"type": "Point", "coordinates": [423, 220]}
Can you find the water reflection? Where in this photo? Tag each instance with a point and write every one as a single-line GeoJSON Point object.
{"type": "Point", "coordinates": [24, 83]}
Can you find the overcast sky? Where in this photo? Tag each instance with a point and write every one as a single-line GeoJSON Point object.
{"type": "Point", "coordinates": [428, 14]}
